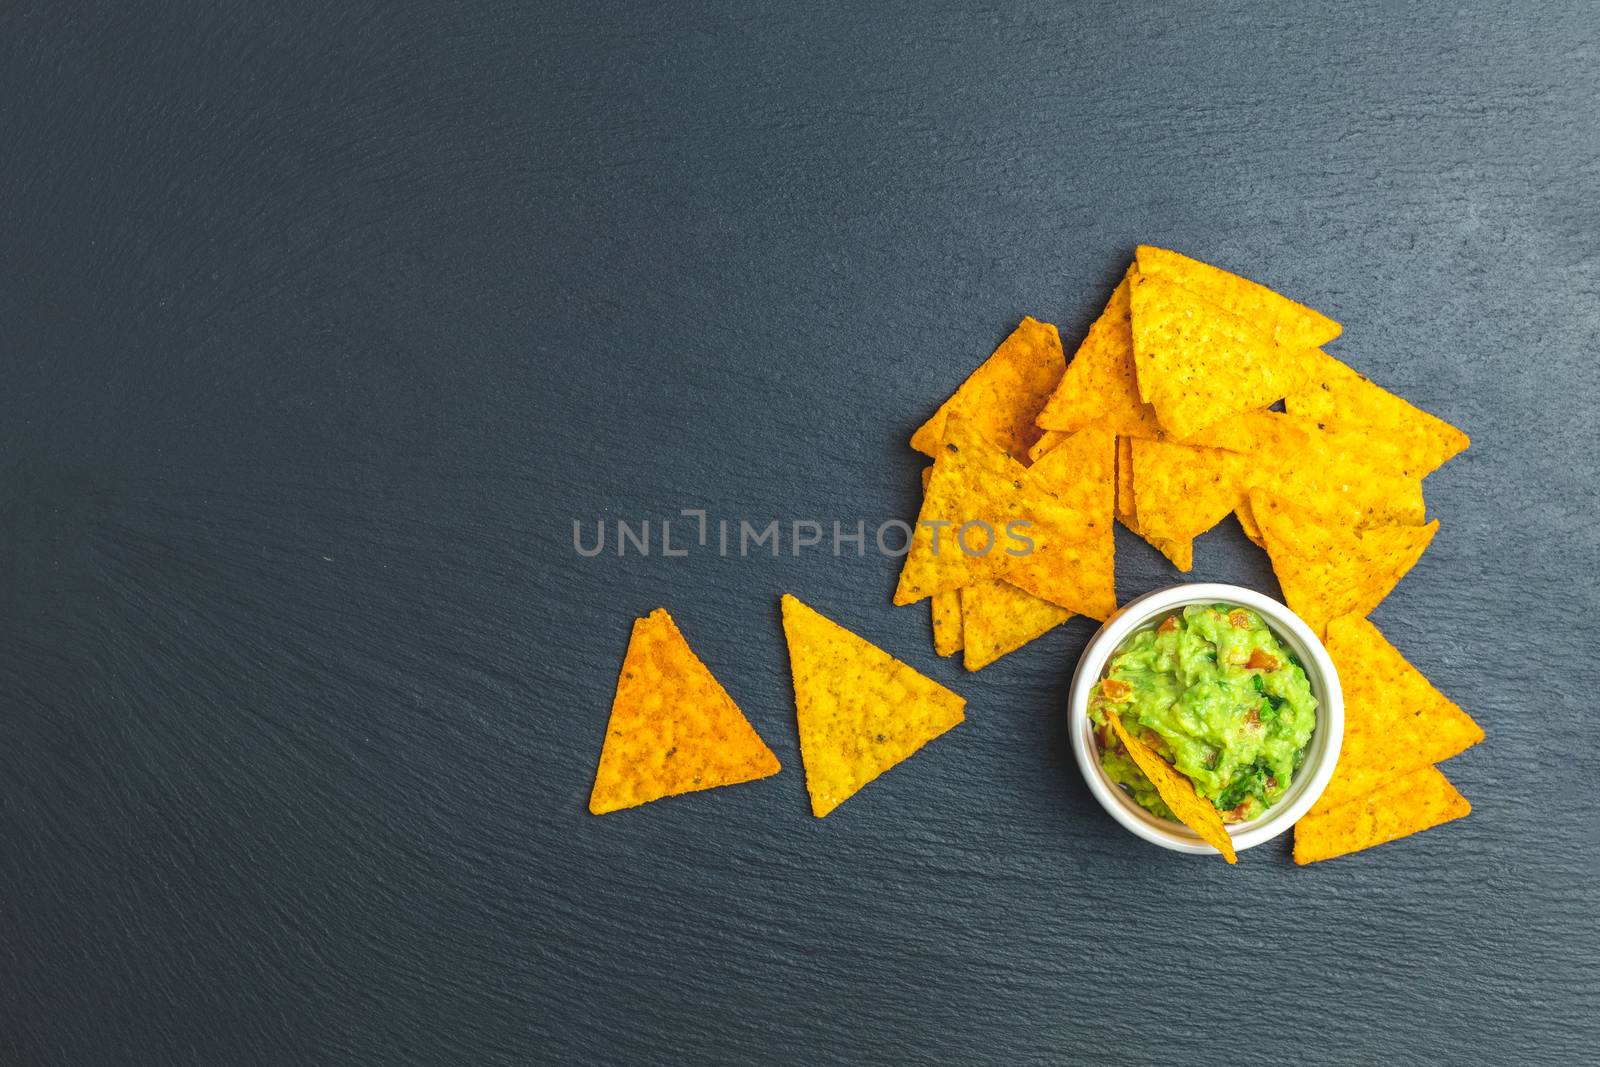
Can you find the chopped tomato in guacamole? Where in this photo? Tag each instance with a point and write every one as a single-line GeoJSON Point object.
{"type": "Point", "coordinates": [1217, 696]}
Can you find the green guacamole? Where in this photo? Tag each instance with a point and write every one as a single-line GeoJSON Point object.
{"type": "Point", "coordinates": [1217, 696]}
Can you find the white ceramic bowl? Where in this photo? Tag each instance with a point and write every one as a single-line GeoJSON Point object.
{"type": "Point", "coordinates": [1321, 755]}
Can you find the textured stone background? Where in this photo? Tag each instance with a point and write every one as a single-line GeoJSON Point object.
{"type": "Point", "coordinates": [320, 323]}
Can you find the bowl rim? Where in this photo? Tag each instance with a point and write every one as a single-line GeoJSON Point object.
{"type": "Point", "coordinates": [1289, 628]}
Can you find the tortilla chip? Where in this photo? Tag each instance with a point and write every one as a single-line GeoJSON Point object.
{"type": "Point", "coordinates": [1099, 388]}
{"type": "Point", "coordinates": [1197, 364]}
{"type": "Point", "coordinates": [1004, 394]}
{"type": "Point", "coordinates": [1181, 491]}
{"type": "Point", "coordinates": [1344, 476]}
{"type": "Point", "coordinates": [997, 618]}
{"type": "Point", "coordinates": [1280, 318]}
{"type": "Point", "coordinates": [1074, 565]}
{"type": "Point", "coordinates": [860, 710]}
{"type": "Point", "coordinates": [673, 728]}
{"type": "Point", "coordinates": [946, 607]}
{"type": "Point", "coordinates": [1328, 571]}
{"type": "Point", "coordinates": [973, 481]}
{"type": "Point", "coordinates": [1414, 802]}
{"type": "Point", "coordinates": [1177, 792]}
{"type": "Point", "coordinates": [1394, 719]}
{"type": "Point", "coordinates": [1047, 440]}
{"type": "Point", "coordinates": [1339, 398]}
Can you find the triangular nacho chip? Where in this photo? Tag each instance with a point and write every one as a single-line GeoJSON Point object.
{"type": "Point", "coordinates": [1074, 565]}
{"type": "Point", "coordinates": [673, 728]}
{"type": "Point", "coordinates": [1181, 491]}
{"type": "Point", "coordinates": [1099, 388]}
{"type": "Point", "coordinates": [1197, 364]}
{"type": "Point", "coordinates": [1394, 719]}
{"type": "Point", "coordinates": [973, 481]}
{"type": "Point", "coordinates": [1414, 802]}
{"type": "Point", "coordinates": [860, 710]}
{"type": "Point", "coordinates": [946, 606]}
{"type": "Point", "coordinates": [1328, 571]}
{"type": "Point", "coordinates": [1004, 394]}
{"type": "Point", "coordinates": [1339, 398]}
{"type": "Point", "coordinates": [1280, 318]}
{"type": "Point", "coordinates": [997, 618]}
{"type": "Point", "coordinates": [1177, 792]}
{"type": "Point", "coordinates": [1344, 476]}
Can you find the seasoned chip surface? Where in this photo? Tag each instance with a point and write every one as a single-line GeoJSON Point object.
{"type": "Point", "coordinates": [1099, 388]}
{"type": "Point", "coordinates": [1328, 571]}
{"type": "Point", "coordinates": [860, 710]}
{"type": "Point", "coordinates": [1394, 719]}
{"type": "Point", "coordinates": [1285, 321]}
{"type": "Point", "coordinates": [1003, 396]}
{"type": "Point", "coordinates": [1336, 396]}
{"type": "Point", "coordinates": [1414, 802]}
{"type": "Point", "coordinates": [997, 618]}
{"type": "Point", "coordinates": [973, 481]}
{"type": "Point", "coordinates": [1075, 565]}
{"type": "Point", "coordinates": [673, 728]}
{"type": "Point", "coordinates": [1197, 363]}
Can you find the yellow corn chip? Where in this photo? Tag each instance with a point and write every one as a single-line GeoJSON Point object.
{"type": "Point", "coordinates": [1177, 792]}
{"type": "Point", "coordinates": [1328, 571]}
{"type": "Point", "coordinates": [1004, 394]}
{"type": "Point", "coordinates": [673, 728]}
{"type": "Point", "coordinates": [1047, 440]}
{"type": "Point", "coordinates": [1099, 388]}
{"type": "Point", "coordinates": [1181, 491]}
{"type": "Point", "coordinates": [860, 710]}
{"type": "Point", "coordinates": [1339, 398]}
{"type": "Point", "coordinates": [1394, 719]}
{"type": "Point", "coordinates": [1280, 318]}
{"type": "Point", "coordinates": [1197, 364]}
{"type": "Point", "coordinates": [946, 606]}
{"type": "Point", "coordinates": [998, 618]}
{"type": "Point", "coordinates": [973, 482]}
{"type": "Point", "coordinates": [1344, 476]}
{"type": "Point", "coordinates": [1414, 802]}
{"type": "Point", "coordinates": [1074, 565]}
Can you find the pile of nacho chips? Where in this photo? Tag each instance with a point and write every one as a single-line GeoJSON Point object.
{"type": "Point", "coordinates": [1195, 395]}
{"type": "Point", "coordinates": [992, 591]}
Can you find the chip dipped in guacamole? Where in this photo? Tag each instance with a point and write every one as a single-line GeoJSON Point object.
{"type": "Point", "coordinates": [1218, 696]}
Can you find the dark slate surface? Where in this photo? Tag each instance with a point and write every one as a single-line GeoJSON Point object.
{"type": "Point", "coordinates": [318, 328]}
